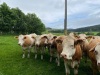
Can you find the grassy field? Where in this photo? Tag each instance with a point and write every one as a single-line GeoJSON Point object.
{"type": "Point", "coordinates": [11, 62]}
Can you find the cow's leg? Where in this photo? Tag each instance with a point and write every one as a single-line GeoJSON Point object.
{"type": "Point", "coordinates": [94, 68]}
{"type": "Point", "coordinates": [42, 52]}
{"type": "Point", "coordinates": [29, 52]}
{"type": "Point", "coordinates": [86, 56]}
{"type": "Point", "coordinates": [76, 65]}
{"type": "Point", "coordinates": [66, 68]}
{"type": "Point", "coordinates": [58, 59]}
{"type": "Point", "coordinates": [51, 55]}
{"type": "Point", "coordinates": [35, 49]}
{"type": "Point", "coordinates": [23, 56]}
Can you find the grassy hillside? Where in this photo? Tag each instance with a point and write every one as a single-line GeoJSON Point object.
{"type": "Point", "coordinates": [11, 62]}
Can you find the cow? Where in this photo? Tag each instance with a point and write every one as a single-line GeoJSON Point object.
{"type": "Point", "coordinates": [52, 47]}
{"type": "Point", "coordinates": [94, 54]}
{"type": "Point", "coordinates": [40, 43]}
{"type": "Point", "coordinates": [84, 44]}
{"type": "Point", "coordinates": [26, 42]}
{"type": "Point", "coordinates": [59, 41]}
{"type": "Point", "coordinates": [71, 53]}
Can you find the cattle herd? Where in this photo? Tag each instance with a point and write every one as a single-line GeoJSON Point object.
{"type": "Point", "coordinates": [71, 48]}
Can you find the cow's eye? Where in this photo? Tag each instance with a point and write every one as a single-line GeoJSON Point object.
{"type": "Point", "coordinates": [95, 52]}
{"type": "Point", "coordinates": [72, 46]}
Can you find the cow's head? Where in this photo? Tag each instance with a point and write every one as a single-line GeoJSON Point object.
{"type": "Point", "coordinates": [96, 51]}
{"type": "Point", "coordinates": [51, 39]}
{"type": "Point", "coordinates": [40, 39]}
{"type": "Point", "coordinates": [37, 40]}
{"type": "Point", "coordinates": [44, 40]}
{"type": "Point", "coordinates": [69, 47]}
{"type": "Point", "coordinates": [21, 39]}
{"type": "Point", "coordinates": [82, 36]}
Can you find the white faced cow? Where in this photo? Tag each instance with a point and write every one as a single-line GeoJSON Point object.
{"type": "Point", "coordinates": [71, 53]}
{"type": "Point", "coordinates": [59, 41]}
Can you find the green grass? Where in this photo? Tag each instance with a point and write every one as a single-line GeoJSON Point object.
{"type": "Point", "coordinates": [11, 62]}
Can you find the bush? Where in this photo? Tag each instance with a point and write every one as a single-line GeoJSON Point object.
{"type": "Point", "coordinates": [98, 34]}
{"type": "Point", "coordinates": [89, 33]}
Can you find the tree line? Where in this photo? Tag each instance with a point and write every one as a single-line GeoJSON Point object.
{"type": "Point", "coordinates": [13, 20]}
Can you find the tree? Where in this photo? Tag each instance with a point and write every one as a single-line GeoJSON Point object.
{"type": "Point", "coordinates": [5, 15]}
{"type": "Point", "coordinates": [14, 20]}
{"type": "Point", "coordinates": [19, 25]}
{"type": "Point", "coordinates": [35, 24]}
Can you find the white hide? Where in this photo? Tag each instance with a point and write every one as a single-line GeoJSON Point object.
{"type": "Point", "coordinates": [68, 48]}
{"type": "Point", "coordinates": [82, 36]}
{"type": "Point", "coordinates": [20, 39]}
{"type": "Point", "coordinates": [38, 40]}
{"type": "Point", "coordinates": [50, 37]}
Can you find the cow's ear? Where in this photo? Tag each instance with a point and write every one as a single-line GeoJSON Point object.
{"type": "Point", "coordinates": [55, 37]}
{"type": "Point", "coordinates": [93, 48]}
{"type": "Point", "coordinates": [25, 37]}
{"type": "Point", "coordinates": [89, 37]}
{"type": "Point", "coordinates": [45, 37]}
{"type": "Point", "coordinates": [78, 41]}
{"type": "Point", "coordinates": [32, 37]}
{"type": "Point", "coordinates": [59, 41]}
{"type": "Point", "coordinates": [76, 36]}
{"type": "Point", "coordinates": [16, 37]}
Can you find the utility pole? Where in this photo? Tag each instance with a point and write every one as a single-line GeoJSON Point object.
{"type": "Point", "coordinates": [65, 19]}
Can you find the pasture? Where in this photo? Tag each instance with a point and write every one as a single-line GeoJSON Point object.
{"type": "Point", "coordinates": [12, 63]}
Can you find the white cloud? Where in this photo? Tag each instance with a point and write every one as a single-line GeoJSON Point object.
{"type": "Point", "coordinates": [80, 12]}
{"type": "Point", "coordinates": [89, 8]}
{"type": "Point", "coordinates": [48, 10]}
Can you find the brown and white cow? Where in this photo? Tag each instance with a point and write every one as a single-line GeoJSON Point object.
{"type": "Point", "coordinates": [94, 54]}
{"type": "Point", "coordinates": [71, 53]}
{"type": "Point", "coordinates": [26, 42]}
{"type": "Point", "coordinates": [59, 41]}
{"type": "Point", "coordinates": [52, 47]}
{"type": "Point", "coordinates": [40, 43]}
{"type": "Point", "coordinates": [84, 44]}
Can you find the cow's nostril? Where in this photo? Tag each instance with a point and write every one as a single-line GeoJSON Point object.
{"type": "Point", "coordinates": [37, 45]}
{"type": "Point", "coordinates": [65, 55]}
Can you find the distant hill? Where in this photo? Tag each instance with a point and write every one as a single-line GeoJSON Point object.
{"type": "Point", "coordinates": [83, 29]}
{"type": "Point", "coordinates": [87, 29]}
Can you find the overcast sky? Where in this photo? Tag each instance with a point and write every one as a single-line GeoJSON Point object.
{"type": "Point", "coordinates": [80, 13]}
